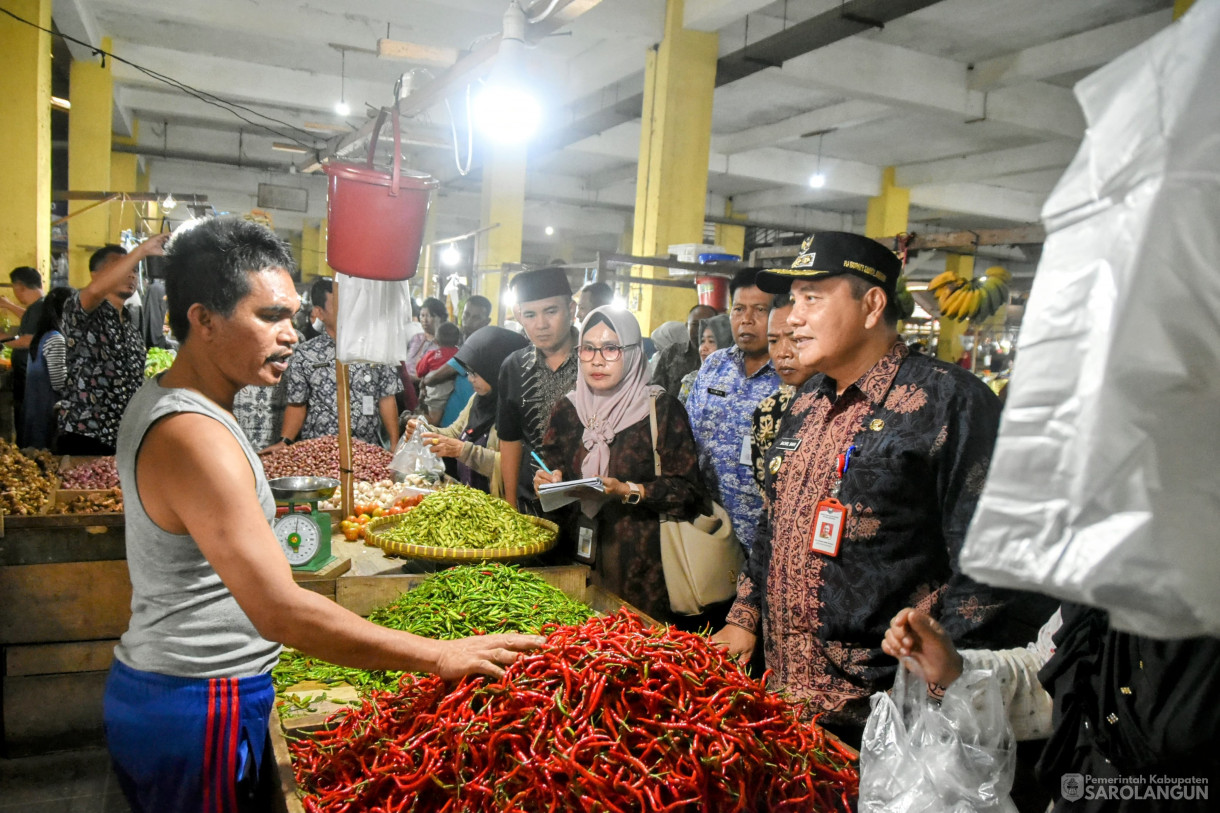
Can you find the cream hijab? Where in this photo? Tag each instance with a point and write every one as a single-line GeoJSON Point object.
{"type": "Point", "coordinates": [605, 414]}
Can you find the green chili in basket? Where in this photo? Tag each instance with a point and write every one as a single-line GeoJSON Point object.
{"type": "Point", "coordinates": [461, 517]}
{"type": "Point", "coordinates": [455, 603]}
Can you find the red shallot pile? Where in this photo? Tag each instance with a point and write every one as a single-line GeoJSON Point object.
{"type": "Point", "coordinates": [608, 716]}
{"type": "Point", "coordinates": [96, 474]}
{"type": "Point", "coordinates": [319, 457]}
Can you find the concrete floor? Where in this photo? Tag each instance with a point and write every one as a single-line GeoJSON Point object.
{"type": "Point", "coordinates": [64, 782]}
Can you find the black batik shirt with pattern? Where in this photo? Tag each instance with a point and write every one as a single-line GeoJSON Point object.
{"type": "Point", "coordinates": [105, 357]}
{"type": "Point", "coordinates": [765, 426]}
{"type": "Point", "coordinates": [923, 432]}
{"type": "Point", "coordinates": [311, 381]}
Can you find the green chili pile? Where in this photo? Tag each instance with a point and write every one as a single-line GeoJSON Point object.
{"type": "Point", "coordinates": [455, 603]}
{"type": "Point", "coordinates": [461, 517]}
{"type": "Point", "coordinates": [607, 716]}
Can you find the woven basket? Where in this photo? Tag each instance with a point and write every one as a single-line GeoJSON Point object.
{"type": "Point", "coordinates": [376, 536]}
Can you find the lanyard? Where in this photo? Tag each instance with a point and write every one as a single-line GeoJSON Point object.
{"type": "Point", "coordinates": [841, 466]}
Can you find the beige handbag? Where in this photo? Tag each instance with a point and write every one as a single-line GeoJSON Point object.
{"type": "Point", "coordinates": [700, 558]}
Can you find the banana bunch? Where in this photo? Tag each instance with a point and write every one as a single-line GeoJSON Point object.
{"type": "Point", "coordinates": [972, 299]}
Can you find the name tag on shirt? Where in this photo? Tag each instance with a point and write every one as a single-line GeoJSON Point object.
{"type": "Point", "coordinates": [367, 405]}
{"type": "Point", "coordinates": [714, 391]}
{"type": "Point", "coordinates": [788, 444]}
{"type": "Point", "coordinates": [828, 523]}
{"type": "Point", "coordinates": [747, 452]}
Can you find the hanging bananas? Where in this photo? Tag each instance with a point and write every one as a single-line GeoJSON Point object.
{"type": "Point", "coordinates": [972, 299]}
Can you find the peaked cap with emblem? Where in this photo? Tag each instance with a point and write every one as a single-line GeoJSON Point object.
{"type": "Point", "coordinates": [830, 253]}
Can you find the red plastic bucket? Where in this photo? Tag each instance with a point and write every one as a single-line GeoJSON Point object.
{"type": "Point", "coordinates": [713, 291]}
{"type": "Point", "coordinates": [376, 219]}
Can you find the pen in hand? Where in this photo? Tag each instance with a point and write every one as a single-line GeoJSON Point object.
{"type": "Point", "coordinates": [539, 461]}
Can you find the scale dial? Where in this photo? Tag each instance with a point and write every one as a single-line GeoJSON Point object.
{"type": "Point", "coordinates": [299, 537]}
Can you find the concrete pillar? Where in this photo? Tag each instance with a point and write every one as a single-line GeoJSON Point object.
{"type": "Point", "coordinates": [675, 141]}
{"type": "Point", "coordinates": [25, 183]}
{"type": "Point", "coordinates": [504, 203]}
{"type": "Point", "coordinates": [89, 123]}
{"type": "Point", "coordinates": [124, 177]}
{"type": "Point", "coordinates": [888, 212]}
{"type": "Point", "coordinates": [731, 238]}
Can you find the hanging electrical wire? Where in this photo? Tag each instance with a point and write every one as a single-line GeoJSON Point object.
{"type": "Point", "coordinates": [457, 159]}
{"type": "Point", "coordinates": [202, 95]}
{"type": "Point", "coordinates": [544, 14]}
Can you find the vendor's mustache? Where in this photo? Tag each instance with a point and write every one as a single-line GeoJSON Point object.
{"type": "Point", "coordinates": [278, 357]}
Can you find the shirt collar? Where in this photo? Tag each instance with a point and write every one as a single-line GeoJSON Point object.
{"type": "Point", "coordinates": [875, 383]}
{"type": "Point", "coordinates": [739, 360]}
{"type": "Point", "coordinates": [536, 359]}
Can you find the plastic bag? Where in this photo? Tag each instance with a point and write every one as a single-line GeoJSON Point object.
{"type": "Point", "coordinates": [373, 319]}
{"type": "Point", "coordinates": [1102, 488]}
{"type": "Point", "coordinates": [411, 456]}
{"type": "Point", "coordinates": [918, 756]}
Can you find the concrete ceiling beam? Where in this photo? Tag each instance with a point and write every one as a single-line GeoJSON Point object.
{"type": "Point", "coordinates": [980, 200]}
{"type": "Point", "coordinates": [911, 80]}
{"type": "Point", "coordinates": [1089, 49]}
{"type": "Point", "coordinates": [712, 15]}
{"type": "Point", "coordinates": [834, 117]}
{"type": "Point", "coordinates": [984, 165]}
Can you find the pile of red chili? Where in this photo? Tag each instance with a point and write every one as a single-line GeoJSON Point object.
{"type": "Point", "coordinates": [607, 716]}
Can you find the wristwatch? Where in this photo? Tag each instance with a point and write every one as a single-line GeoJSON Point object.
{"type": "Point", "coordinates": [635, 494]}
{"type": "Point", "coordinates": [287, 441]}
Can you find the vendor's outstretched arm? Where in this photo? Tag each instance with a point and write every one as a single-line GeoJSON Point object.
{"type": "Point", "coordinates": [112, 279]}
{"type": "Point", "coordinates": [195, 479]}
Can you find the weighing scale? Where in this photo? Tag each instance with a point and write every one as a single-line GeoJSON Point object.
{"type": "Point", "coordinates": [305, 538]}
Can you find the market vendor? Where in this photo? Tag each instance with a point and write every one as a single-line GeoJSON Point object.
{"type": "Point", "coordinates": [313, 394]}
{"type": "Point", "coordinates": [471, 439]}
{"type": "Point", "coordinates": [189, 694]}
{"type": "Point", "coordinates": [533, 379]}
{"type": "Point", "coordinates": [871, 482]}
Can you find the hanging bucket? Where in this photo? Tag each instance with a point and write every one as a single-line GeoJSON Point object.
{"type": "Point", "coordinates": [376, 219]}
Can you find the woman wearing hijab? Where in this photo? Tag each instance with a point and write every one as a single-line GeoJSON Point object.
{"type": "Point", "coordinates": [602, 430]}
{"type": "Point", "coordinates": [715, 334]}
{"type": "Point", "coordinates": [471, 439]}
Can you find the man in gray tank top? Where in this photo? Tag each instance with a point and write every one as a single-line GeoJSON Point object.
{"type": "Point", "coordinates": [189, 694]}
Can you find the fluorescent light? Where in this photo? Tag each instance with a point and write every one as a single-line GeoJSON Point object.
{"type": "Point", "coordinates": [550, 230]}
{"type": "Point", "coordinates": [284, 147]}
{"type": "Point", "coordinates": [451, 256]}
{"type": "Point", "coordinates": [817, 180]}
{"type": "Point", "coordinates": [62, 104]}
{"type": "Point", "coordinates": [343, 108]}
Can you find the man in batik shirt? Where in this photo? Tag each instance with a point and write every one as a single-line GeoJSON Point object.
{"type": "Point", "coordinates": [729, 386]}
{"type": "Point", "coordinates": [822, 582]}
{"type": "Point", "coordinates": [674, 362]}
{"type": "Point", "coordinates": [534, 378]}
{"type": "Point", "coordinates": [313, 394]}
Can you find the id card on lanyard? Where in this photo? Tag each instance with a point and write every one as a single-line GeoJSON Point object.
{"type": "Point", "coordinates": [830, 517]}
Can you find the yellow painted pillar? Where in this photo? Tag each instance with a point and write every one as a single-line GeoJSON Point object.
{"type": "Point", "coordinates": [124, 177]}
{"type": "Point", "coordinates": [92, 92]}
{"type": "Point", "coordinates": [731, 238]}
{"type": "Point", "coordinates": [309, 252]}
{"type": "Point", "coordinates": [503, 202]}
{"type": "Point", "coordinates": [1180, 7]}
{"type": "Point", "coordinates": [887, 213]}
{"type": "Point", "coordinates": [294, 246]}
{"type": "Point", "coordinates": [675, 140]}
{"type": "Point", "coordinates": [25, 94]}
{"type": "Point", "coordinates": [949, 348]}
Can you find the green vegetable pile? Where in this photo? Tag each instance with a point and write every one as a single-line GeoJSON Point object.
{"type": "Point", "coordinates": [158, 360]}
{"type": "Point", "coordinates": [454, 603]}
{"type": "Point", "coordinates": [461, 517]}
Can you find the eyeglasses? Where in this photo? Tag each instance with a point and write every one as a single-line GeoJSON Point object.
{"type": "Point", "coordinates": [610, 352]}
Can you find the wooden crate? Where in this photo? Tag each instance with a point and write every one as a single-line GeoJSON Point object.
{"type": "Point", "coordinates": [53, 696]}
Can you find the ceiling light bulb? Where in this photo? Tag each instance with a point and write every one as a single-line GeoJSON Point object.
{"type": "Point", "coordinates": [817, 180]}
{"type": "Point", "coordinates": [507, 113]}
{"type": "Point", "coordinates": [169, 202]}
{"type": "Point", "coordinates": [343, 108]}
{"type": "Point", "coordinates": [550, 230]}
{"type": "Point", "coordinates": [451, 256]}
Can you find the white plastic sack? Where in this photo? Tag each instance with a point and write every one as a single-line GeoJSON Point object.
{"type": "Point", "coordinates": [920, 757]}
{"type": "Point", "coordinates": [373, 319]}
{"type": "Point", "coordinates": [1105, 483]}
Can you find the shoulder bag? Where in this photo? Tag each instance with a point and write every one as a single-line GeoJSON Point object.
{"type": "Point", "coordinates": [701, 558]}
